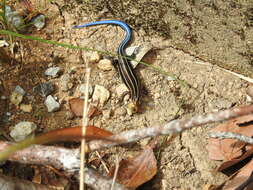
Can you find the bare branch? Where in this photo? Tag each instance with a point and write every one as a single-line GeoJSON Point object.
{"type": "Point", "coordinates": [173, 127]}
{"type": "Point", "coordinates": [46, 155]}
{"type": "Point", "coordinates": [61, 158]}
{"type": "Point", "coordinates": [68, 159]}
{"type": "Point", "coordinates": [229, 135]}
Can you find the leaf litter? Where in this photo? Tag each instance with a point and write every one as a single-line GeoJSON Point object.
{"type": "Point", "coordinates": [233, 151]}
{"type": "Point", "coordinates": [137, 170]}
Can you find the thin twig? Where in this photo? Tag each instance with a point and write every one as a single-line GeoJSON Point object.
{"type": "Point", "coordinates": [229, 135]}
{"type": "Point", "coordinates": [84, 126]}
{"type": "Point", "coordinates": [102, 161]}
{"type": "Point", "coordinates": [173, 127]}
{"type": "Point", "coordinates": [115, 172]}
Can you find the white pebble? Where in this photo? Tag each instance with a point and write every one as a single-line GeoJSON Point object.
{"type": "Point", "coordinates": [22, 130]}
{"type": "Point", "coordinates": [51, 104]}
{"type": "Point", "coordinates": [105, 64]}
{"type": "Point", "coordinates": [94, 57]}
{"type": "Point", "coordinates": [100, 95]}
{"type": "Point", "coordinates": [53, 71]}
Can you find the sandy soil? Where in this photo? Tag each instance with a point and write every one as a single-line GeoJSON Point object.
{"type": "Point", "coordinates": [189, 39]}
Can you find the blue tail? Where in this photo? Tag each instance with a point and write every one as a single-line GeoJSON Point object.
{"type": "Point", "coordinates": [123, 25]}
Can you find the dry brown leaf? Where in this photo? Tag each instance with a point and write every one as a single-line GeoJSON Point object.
{"type": "Point", "coordinates": [135, 171]}
{"type": "Point", "coordinates": [93, 111]}
{"type": "Point", "coordinates": [240, 178]}
{"type": "Point", "coordinates": [228, 149]}
{"type": "Point", "coordinates": [76, 106]}
{"type": "Point", "coordinates": [229, 163]}
{"type": "Point", "coordinates": [75, 134]}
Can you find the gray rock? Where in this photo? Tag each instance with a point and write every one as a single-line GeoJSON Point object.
{"type": "Point", "coordinates": [22, 130]}
{"type": "Point", "coordinates": [53, 71]}
{"type": "Point", "coordinates": [44, 89]}
{"type": "Point", "coordinates": [20, 90]}
{"type": "Point", "coordinates": [52, 104]}
{"type": "Point", "coordinates": [14, 19]}
{"type": "Point", "coordinates": [137, 53]}
{"type": "Point", "coordinates": [6, 117]}
{"type": "Point", "coordinates": [39, 21]}
{"type": "Point", "coordinates": [82, 89]}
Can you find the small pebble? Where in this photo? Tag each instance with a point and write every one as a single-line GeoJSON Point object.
{"type": "Point", "coordinates": [16, 98]}
{"type": "Point", "coordinates": [39, 21]}
{"type": "Point", "coordinates": [121, 90]}
{"type": "Point", "coordinates": [22, 130]}
{"type": "Point", "coordinates": [44, 89]}
{"type": "Point", "coordinates": [6, 117]}
{"type": "Point", "coordinates": [120, 111]}
{"type": "Point", "coordinates": [53, 71]}
{"type": "Point", "coordinates": [52, 104]}
{"type": "Point", "coordinates": [138, 52]}
{"type": "Point", "coordinates": [14, 19]}
{"type": "Point", "coordinates": [65, 79]}
{"type": "Point", "coordinates": [82, 89]}
{"type": "Point", "coordinates": [26, 108]}
{"type": "Point", "coordinates": [20, 90]}
{"type": "Point", "coordinates": [94, 57]}
{"type": "Point", "coordinates": [100, 95]}
{"type": "Point", "coordinates": [105, 64]}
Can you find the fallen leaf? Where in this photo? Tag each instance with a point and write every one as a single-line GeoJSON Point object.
{"type": "Point", "coordinates": [229, 163]}
{"type": "Point", "coordinates": [76, 106]}
{"type": "Point", "coordinates": [133, 172]}
{"type": "Point", "coordinates": [228, 149]}
{"type": "Point", "coordinates": [93, 111]}
{"type": "Point", "coordinates": [75, 134]}
{"type": "Point", "coordinates": [65, 134]}
{"type": "Point", "coordinates": [244, 175]}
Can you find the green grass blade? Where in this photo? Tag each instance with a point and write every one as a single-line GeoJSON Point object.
{"type": "Point", "coordinates": [158, 69]}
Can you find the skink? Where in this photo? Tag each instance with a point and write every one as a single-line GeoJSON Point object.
{"type": "Point", "coordinates": [124, 66]}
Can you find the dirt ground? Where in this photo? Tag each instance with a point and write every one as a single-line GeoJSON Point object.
{"type": "Point", "coordinates": [189, 38]}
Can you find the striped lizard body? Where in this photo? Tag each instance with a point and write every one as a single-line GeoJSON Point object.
{"type": "Point", "coordinates": [124, 66]}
